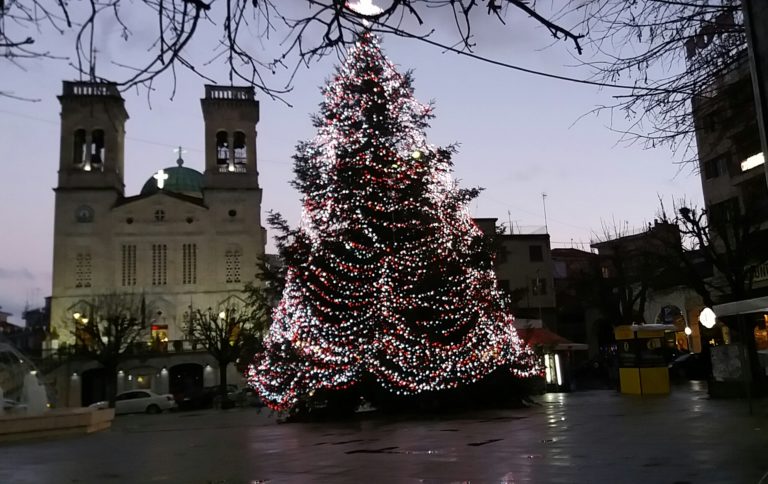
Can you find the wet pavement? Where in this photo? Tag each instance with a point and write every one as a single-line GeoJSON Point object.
{"type": "Point", "coordinates": [583, 437]}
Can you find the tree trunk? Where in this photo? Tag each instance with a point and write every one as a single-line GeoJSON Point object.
{"type": "Point", "coordinates": [223, 379]}
{"type": "Point", "coordinates": [111, 384]}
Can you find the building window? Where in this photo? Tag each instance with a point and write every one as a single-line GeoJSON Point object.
{"type": "Point", "coordinates": [239, 148]}
{"type": "Point", "coordinates": [189, 264]}
{"type": "Point", "coordinates": [159, 264]}
{"type": "Point", "coordinates": [84, 214]}
{"type": "Point", "coordinates": [128, 257]}
{"type": "Point", "coordinates": [159, 215]}
{"type": "Point", "coordinates": [78, 148]}
{"type": "Point", "coordinates": [538, 286]}
{"type": "Point", "coordinates": [535, 253]}
{"type": "Point", "coordinates": [232, 266]}
{"type": "Point", "coordinates": [606, 273]}
{"type": "Point", "coordinates": [723, 212]}
{"type": "Point", "coordinates": [97, 148]}
{"type": "Point", "coordinates": [714, 168]}
{"type": "Point", "coordinates": [222, 148]}
{"type": "Point", "coordinates": [83, 269]}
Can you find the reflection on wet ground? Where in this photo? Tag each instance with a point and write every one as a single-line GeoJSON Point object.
{"type": "Point", "coordinates": [598, 436]}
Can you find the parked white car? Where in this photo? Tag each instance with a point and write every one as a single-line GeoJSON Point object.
{"type": "Point", "coordinates": [139, 401]}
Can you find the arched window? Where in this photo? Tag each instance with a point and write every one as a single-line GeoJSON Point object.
{"type": "Point", "coordinates": [78, 147]}
{"type": "Point", "coordinates": [222, 148]}
{"type": "Point", "coordinates": [239, 145]}
{"type": "Point", "coordinates": [97, 149]}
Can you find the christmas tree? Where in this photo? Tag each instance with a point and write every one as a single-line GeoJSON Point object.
{"type": "Point", "coordinates": [388, 277]}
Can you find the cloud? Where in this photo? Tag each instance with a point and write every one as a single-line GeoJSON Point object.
{"type": "Point", "coordinates": [16, 274]}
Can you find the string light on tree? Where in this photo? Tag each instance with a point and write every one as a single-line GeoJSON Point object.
{"type": "Point", "coordinates": [388, 276]}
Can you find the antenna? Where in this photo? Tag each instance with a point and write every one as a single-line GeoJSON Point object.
{"type": "Point", "coordinates": [544, 202]}
{"type": "Point", "coordinates": [509, 219]}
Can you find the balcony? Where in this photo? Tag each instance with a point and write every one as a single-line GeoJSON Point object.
{"type": "Point", "coordinates": [90, 89]}
{"type": "Point", "coordinates": [229, 93]}
{"type": "Point", "coordinates": [761, 272]}
{"type": "Point", "coordinates": [236, 168]}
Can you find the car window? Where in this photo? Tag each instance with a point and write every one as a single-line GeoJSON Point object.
{"type": "Point", "coordinates": [131, 395]}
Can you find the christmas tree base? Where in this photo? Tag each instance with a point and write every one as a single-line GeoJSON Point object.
{"type": "Point", "coordinates": [367, 400]}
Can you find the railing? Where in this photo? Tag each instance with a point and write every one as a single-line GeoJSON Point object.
{"type": "Point", "coordinates": [90, 89]}
{"type": "Point", "coordinates": [761, 272]}
{"type": "Point", "coordinates": [235, 168]}
{"type": "Point", "coordinates": [229, 93]}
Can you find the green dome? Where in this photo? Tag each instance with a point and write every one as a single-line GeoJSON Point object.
{"type": "Point", "coordinates": [176, 179]}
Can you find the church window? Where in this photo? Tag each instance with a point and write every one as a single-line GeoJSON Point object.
{"type": "Point", "coordinates": [240, 151]}
{"type": "Point", "coordinates": [232, 266]}
{"type": "Point", "coordinates": [189, 264]}
{"type": "Point", "coordinates": [97, 149]}
{"type": "Point", "coordinates": [84, 214]}
{"type": "Point", "coordinates": [78, 149]}
{"type": "Point", "coordinates": [222, 149]}
{"type": "Point", "coordinates": [159, 215]}
{"type": "Point", "coordinates": [83, 269]}
{"type": "Point", "coordinates": [159, 264]}
{"type": "Point", "coordinates": [128, 265]}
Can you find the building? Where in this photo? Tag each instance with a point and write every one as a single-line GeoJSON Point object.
{"type": "Point", "coordinates": [728, 141]}
{"type": "Point", "coordinates": [189, 238]}
{"type": "Point", "coordinates": [578, 287]}
{"type": "Point", "coordinates": [525, 270]}
{"type": "Point", "coordinates": [733, 179]}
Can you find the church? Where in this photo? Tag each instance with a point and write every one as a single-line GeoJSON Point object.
{"type": "Point", "coordinates": [187, 239]}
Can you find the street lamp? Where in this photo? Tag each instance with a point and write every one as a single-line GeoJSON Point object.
{"type": "Point", "coordinates": [708, 318]}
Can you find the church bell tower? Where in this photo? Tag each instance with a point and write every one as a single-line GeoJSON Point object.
{"type": "Point", "coordinates": [93, 119]}
{"type": "Point", "coordinates": [231, 114]}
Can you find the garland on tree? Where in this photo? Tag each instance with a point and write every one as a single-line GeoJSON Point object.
{"type": "Point", "coordinates": [388, 276]}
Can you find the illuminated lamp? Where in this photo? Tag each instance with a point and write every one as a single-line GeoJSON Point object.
{"type": "Point", "coordinates": [708, 318]}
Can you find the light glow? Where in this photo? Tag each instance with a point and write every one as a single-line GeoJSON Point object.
{"type": "Point", "coordinates": [688, 331]}
{"type": "Point", "coordinates": [752, 161]}
{"type": "Point", "coordinates": [708, 318]}
{"type": "Point", "coordinates": [557, 370]}
{"type": "Point", "coordinates": [160, 176]}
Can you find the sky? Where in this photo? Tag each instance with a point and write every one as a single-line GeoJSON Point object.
{"type": "Point", "coordinates": [519, 136]}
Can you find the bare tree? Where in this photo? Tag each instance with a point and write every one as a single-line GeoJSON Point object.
{"type": "Point", "coordinates": [722, 250]}
{"type": "Point", "coordinates": [673, 52]}
{"type": "Point", "coordinates": [224, 334]}
{"type": "Point", "coordinates": [108, 329]}
{"type": "Point", "coordinates": [303, 31]}
{"type": "Point", "coordinates": [630, 265]}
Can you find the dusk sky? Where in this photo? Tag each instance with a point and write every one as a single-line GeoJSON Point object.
{"type": "Point", "coordinates": [519, 135]}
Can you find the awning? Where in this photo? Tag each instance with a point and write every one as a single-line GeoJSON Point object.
{"type": "Point", "coordinates": [745, 306]}
{"type": "Point", "coordinates": [549, 339]}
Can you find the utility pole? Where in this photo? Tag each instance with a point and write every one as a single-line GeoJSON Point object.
{"type": "Point", "coordinates": [756, 24]}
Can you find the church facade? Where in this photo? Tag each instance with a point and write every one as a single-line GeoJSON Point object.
{"type": "Point", "coordinates": [188, 239]}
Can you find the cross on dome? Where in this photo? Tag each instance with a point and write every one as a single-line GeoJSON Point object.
{"type": "Point", "coordinates": [160, 176]}
{"type": "Point", "coordinates": [179, 160]}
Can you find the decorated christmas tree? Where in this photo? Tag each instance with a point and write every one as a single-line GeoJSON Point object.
{"type": "Point", "coordinates": [389, 280]}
